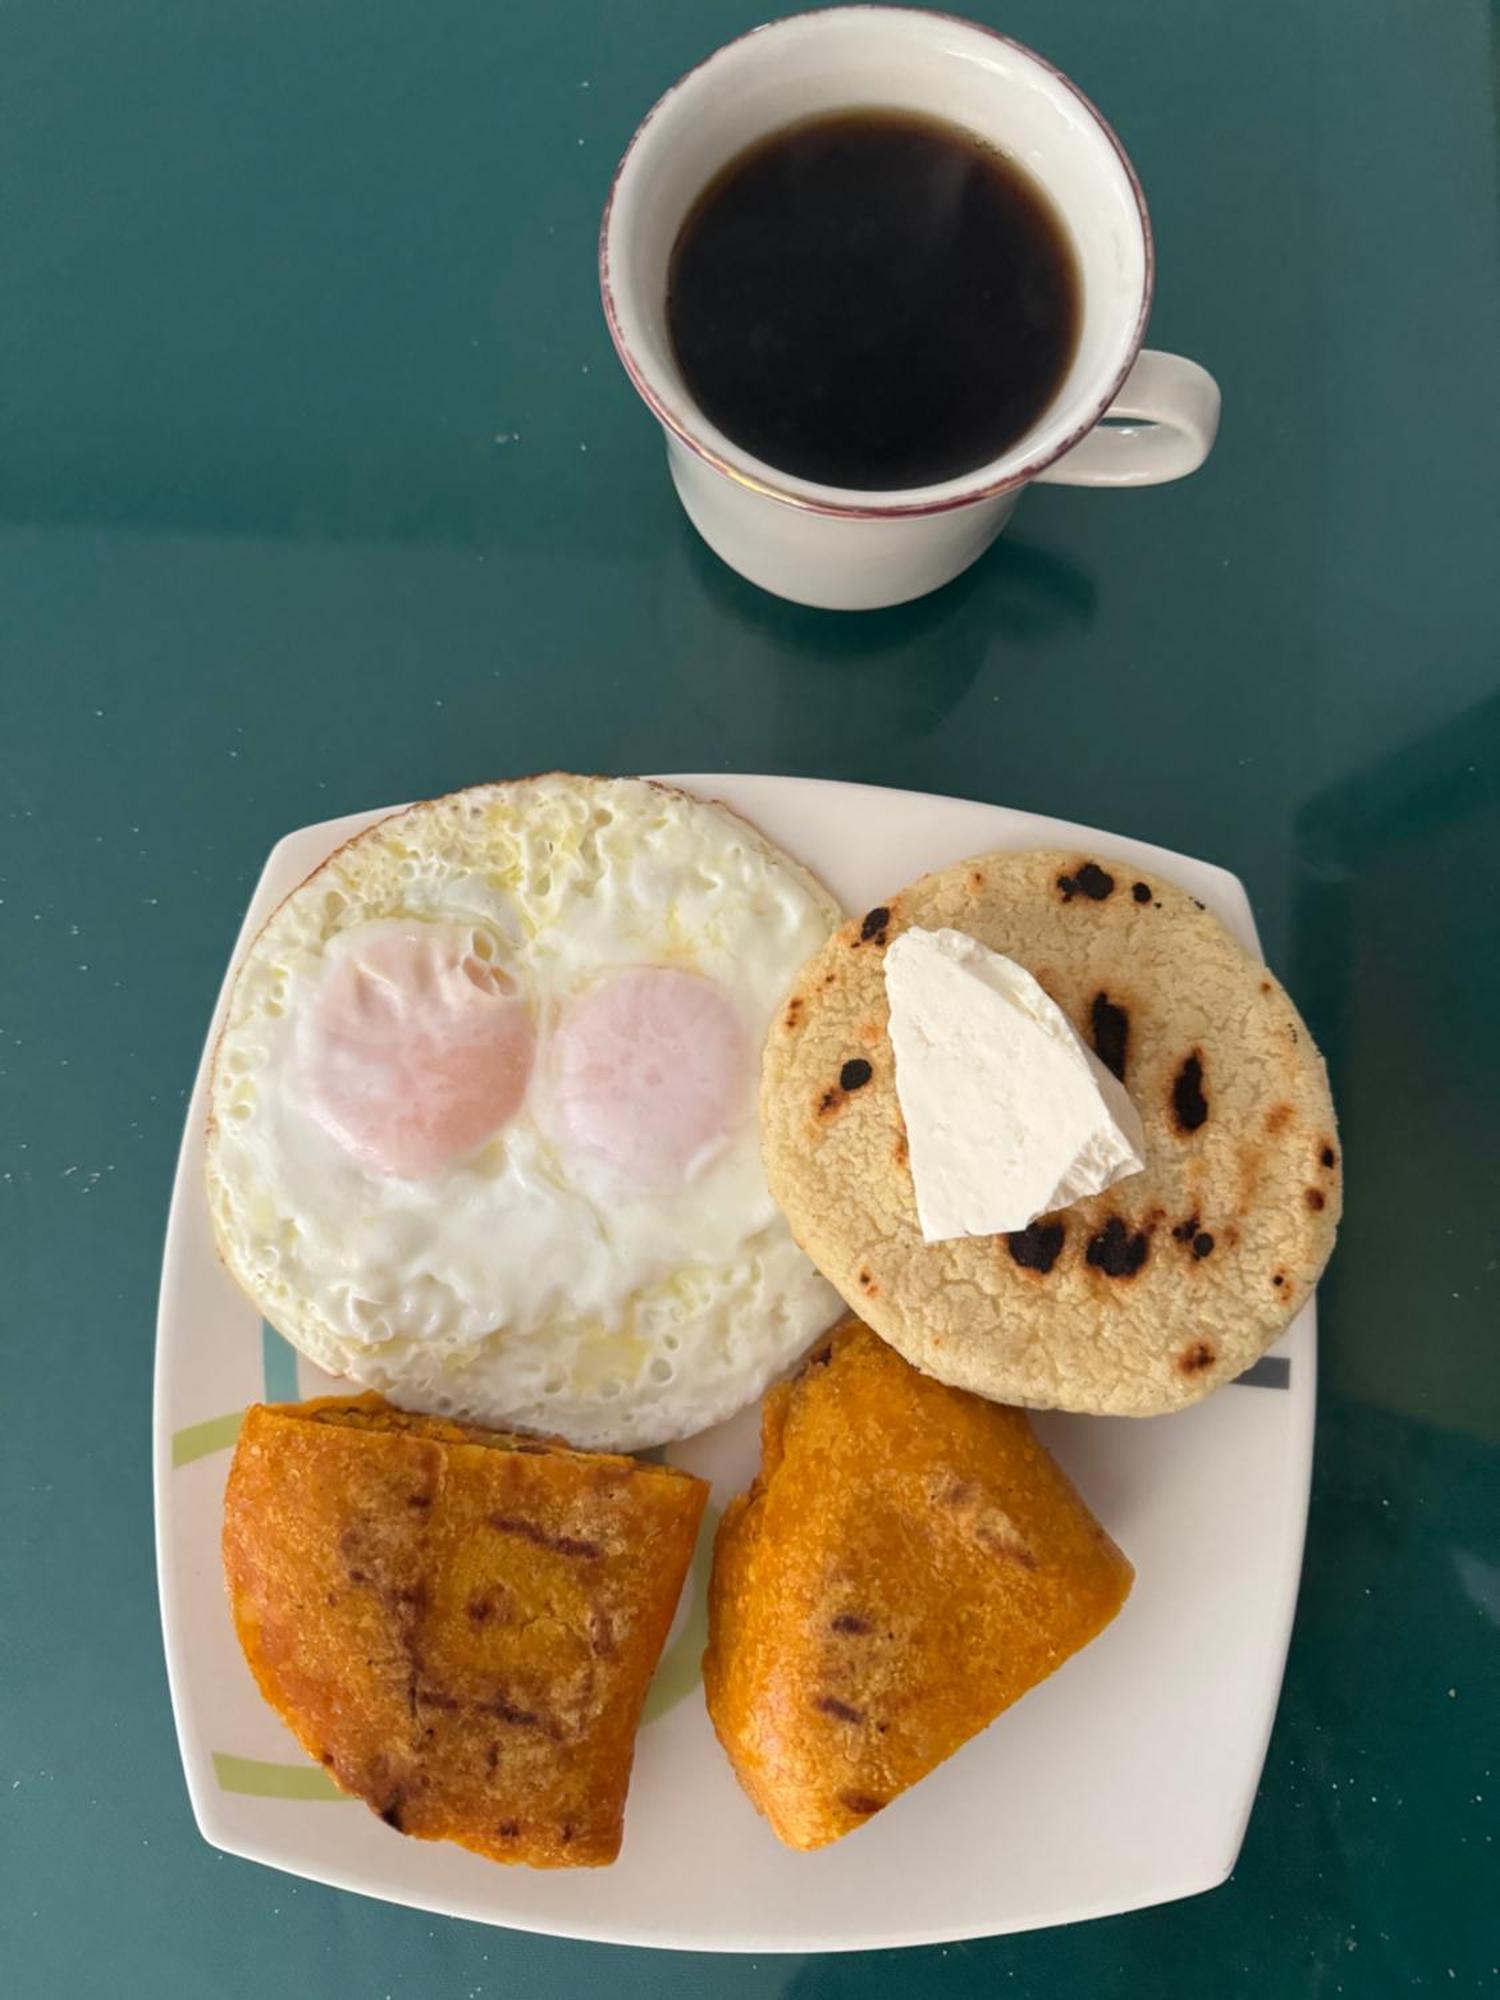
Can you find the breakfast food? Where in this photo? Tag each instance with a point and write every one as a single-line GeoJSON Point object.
{"type": "Point", "coordinates": [483, 1111]}
{"type": "Point", "coordinates": [908, 1563]}
{"type": "Point", "coordinates": [1007, 1111]}
{"type": "Point", "coordinates": [459, 1624]}
{"type": "Point", "coordinates": [1135, 1300]}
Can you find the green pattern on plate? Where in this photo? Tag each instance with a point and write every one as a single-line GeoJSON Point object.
{"type": "Point", "coordinates": [198, 1440]}
{"type": "Point", "coordinates": [264, 1780]}
{"type": "Point", "coordinates": [279, 1375]}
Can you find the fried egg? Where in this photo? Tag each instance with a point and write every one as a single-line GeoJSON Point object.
{"type": "Point", "coordinates": [483, 1130]}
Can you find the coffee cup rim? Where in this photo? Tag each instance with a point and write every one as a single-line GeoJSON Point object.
{"type": "Point", "coordinates": [854, 503]}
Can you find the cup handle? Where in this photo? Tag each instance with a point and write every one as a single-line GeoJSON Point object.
{"type": "Point", "coordinates": [1161, 426]}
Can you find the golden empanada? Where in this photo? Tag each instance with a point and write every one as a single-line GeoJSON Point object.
{"type": "Point", "coordinates": [460, 1624]}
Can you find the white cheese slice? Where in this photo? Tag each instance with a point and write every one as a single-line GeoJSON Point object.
{"type": "Point", "coordinates": [1009, 1115]}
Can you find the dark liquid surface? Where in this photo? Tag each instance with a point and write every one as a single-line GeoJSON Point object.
{"type": "Point", "coordinates": [873, 300]}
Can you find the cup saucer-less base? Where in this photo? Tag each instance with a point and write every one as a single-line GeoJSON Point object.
{"type": "Point", "coordinates": [1125, 1780]}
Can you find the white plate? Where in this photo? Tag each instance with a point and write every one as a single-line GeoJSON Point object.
{"type": "Point", "coordinates": [1125, 1780]}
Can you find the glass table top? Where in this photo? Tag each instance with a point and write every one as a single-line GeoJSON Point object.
{"type": "Point", "coordinates": [320, 486]}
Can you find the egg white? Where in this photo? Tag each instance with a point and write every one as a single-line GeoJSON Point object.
{"type": "Point", "coordinates": [526, 1284]}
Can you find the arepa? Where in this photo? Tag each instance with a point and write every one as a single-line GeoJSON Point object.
{"type": "Point", "coordinates": [1135, 1301]}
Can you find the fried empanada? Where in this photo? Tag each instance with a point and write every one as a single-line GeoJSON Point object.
{"type": "Point", "coordinates": [460, 1624]}
{"type": "Point", "coordinates": [908, 1562]}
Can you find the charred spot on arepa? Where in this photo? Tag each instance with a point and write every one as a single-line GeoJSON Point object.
{"type": "Point", "coordinates": [1141, 891]}
{"type": "Point", "coordinates": [1109, 1025]}
{"type": "Point", "coordinates": [1315, 1199]}
{"type": "Point", "coordinates": [1117, 1250]}
{"type": "Point", "coordinates": [792, 1017]}
{"type": "Point", "coordinates": [1328, 1157]}
{"type": "Point", "coordinates": [1193, 1360]}
{"type": "Point", "coordinates": [1189, 1100]}
{"type": "Point", "coordinates": [1278, 1117]}
{"type": "Point", "coordinates": [854, 1074]}
{"type": "Point", "coordinates": [1038, 1246]}
{"type": "Point", "coordinates": [1089, 880]}
{"type": "Point", "coordinates": [875, 927]}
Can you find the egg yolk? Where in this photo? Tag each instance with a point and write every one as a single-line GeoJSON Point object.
{"type": "Point", "coordinates": [414, 1049]}
{"type": "Point", "coordinates": [649, 1071]}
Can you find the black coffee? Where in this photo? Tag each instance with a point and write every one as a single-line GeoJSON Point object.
{"type": "Point", "coordinates": [874, 299]}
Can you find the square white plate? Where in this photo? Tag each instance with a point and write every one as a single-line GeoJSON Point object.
{"type": "Point", "coordinates": [1127, 1779]}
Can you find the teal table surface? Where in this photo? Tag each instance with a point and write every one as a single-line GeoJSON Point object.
{"type": "Point", "coordinates": [320, 487]}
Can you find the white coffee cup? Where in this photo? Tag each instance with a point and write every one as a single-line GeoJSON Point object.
{"type": "Point", "coordinates": [833, 546]}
